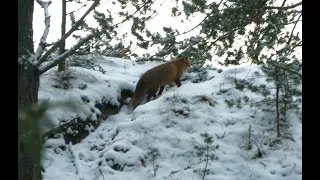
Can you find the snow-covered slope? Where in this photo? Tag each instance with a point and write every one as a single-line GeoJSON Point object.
{"type": "Point", "coordinates": [163, 139]}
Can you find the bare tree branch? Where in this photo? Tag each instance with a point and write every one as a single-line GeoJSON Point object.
{"type": "Point", "coordinates": [43, 39]}
{"type": "Point", "coordinates": [127, 18]}
{"type": "Point", "coordinates": [196, 25]}
{"type": "Point", "coordinates": [298, 44]}
{"type": "Point", "coordinates": [284, 7]}
{"type": "Point", "coordinates": [63, 56]}
{"type": "Point", "coordinates": [131, 15]}
{"type": "Point", "coordinates": [48, 44]}
{"type": "Point", "coordinates": [208, 15]}
{"type": "Point", "coordinates": [84, 5]}
{"type": "Point", "coordinates": [65, 36]}
{"type": "Point", "coordinates": [200, 22]}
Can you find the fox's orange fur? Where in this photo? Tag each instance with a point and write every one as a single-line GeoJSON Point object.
{"type": "Point", "coordinates": [158, 77]}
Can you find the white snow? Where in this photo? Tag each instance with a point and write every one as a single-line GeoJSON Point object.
{"type": "Point", "coordinates": [163, 137]}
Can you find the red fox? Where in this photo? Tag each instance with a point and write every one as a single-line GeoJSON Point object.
{"type": "Point", "coordinates": [158, 77]}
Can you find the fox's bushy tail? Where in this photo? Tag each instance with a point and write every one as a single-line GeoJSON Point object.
{"type": "Point", "coordinates": [139, 94]}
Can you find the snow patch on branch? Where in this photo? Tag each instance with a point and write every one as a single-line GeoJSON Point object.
{"type": "Point", "coordinates": [42, 44]}
{"type": "Point", "coordinates": [25, 59]}
{"type": "Point", "coordinates": [63, 56]}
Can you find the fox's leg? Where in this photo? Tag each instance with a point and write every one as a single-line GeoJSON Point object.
{"type": "Point", "coordinates": [151, 93]}
{"type": "Point", "coordinates": [160, 91]}
{"type": "Point", "coordinates": [177, 82]}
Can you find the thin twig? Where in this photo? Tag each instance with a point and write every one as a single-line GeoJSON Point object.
{"type": "Point", "coordinates": [207, 161]}
{"type": "Point", "coordinates": [291, 35]}
{"type": "Point", "coordinates": [84, 5]}
{"type": "Point", "coordinates": [284, 7]}
{"type": "Point", "coordinates": [128, 17]}
{"type": "Point", "coordinates": [75, 161]}
{"type": "Point", "coordinates": [251, 173]}
{"type": "Point", "coordinates": [223, 36]}
{"type": "Point", "coordinates": [201, 21]}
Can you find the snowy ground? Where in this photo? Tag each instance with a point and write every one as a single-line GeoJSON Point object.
{"type": "Point", "coordinates": [162, 139]}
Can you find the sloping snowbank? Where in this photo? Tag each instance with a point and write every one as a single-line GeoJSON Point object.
{"type": "Point", "coordinates": [162, 139]}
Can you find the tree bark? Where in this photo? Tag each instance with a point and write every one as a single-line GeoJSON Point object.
{"type": "Point", "coordinates": [62, 65]}
{"type": "Point", "coordinates": [28, 83]}
{"type": "Point", "coordinates": [277, 102]}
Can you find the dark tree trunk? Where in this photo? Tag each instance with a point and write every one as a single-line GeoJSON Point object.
{"type": "Point", "coordinates": [277, 103]}
{"type": "Point", "coordinates": [62, 65]}
{"type": "Point", "coordinates": [28, 83]}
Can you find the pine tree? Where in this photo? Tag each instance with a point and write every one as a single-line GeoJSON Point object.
{"type": "Point", "coordinates": [231, 31]}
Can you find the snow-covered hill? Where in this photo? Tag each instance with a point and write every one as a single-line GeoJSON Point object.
{"type": "Point", "coordinates": [164, 139]}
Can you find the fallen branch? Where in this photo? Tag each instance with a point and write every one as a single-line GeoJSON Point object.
{"type": "Point", "coordinates": [58, 129]}
{"type": "Point", "coordinates": [75, 161]}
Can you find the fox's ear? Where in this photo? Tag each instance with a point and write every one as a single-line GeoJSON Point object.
{"type": "Point", "coordinates": [185, 58]}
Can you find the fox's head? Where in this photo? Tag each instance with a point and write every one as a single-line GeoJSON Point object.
{"type": "Point", "coordinates": [185, 62]}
